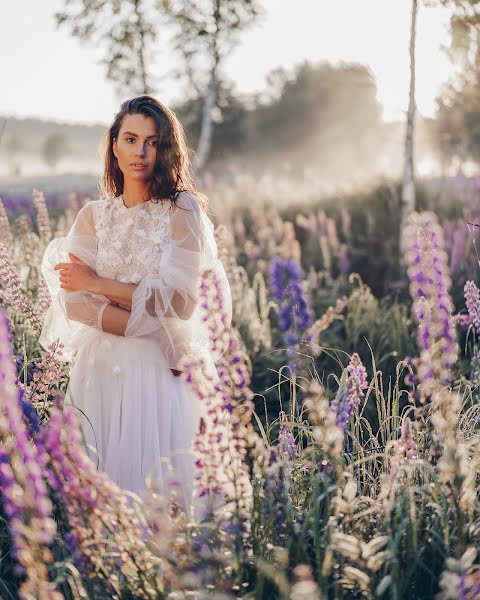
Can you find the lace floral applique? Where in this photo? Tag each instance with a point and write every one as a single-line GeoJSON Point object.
{"type": "Point", "coordinates": [130, 240]}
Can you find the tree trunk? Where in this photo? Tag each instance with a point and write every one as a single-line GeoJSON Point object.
{"type": "Point", "coordinates": [205, 140]}
{"type": "Point", "coordinates": [408, 188]}
{"type": "Point", "coordinates": [141, 49]}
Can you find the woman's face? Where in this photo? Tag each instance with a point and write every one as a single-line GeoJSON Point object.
{"type": "Point", "coordinates": [136, 147]}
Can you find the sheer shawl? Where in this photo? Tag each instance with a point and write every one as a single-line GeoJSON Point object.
{"type": "Point", "coordinates": [167, 304]}
{"type": "Point", "coordinates": [71, 315]}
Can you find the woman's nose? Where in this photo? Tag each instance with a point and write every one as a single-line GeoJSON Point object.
{"type": "Point", "coordinates": [140, 150]}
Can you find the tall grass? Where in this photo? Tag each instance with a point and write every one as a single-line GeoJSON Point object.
{"type": "Point", "coordinates": [349, 469]}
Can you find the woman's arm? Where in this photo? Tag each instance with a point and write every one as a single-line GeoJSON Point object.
{"type": "Point", "coordinates": [82, 277]}
{"type": "Point", "coordinates": [118, 292]}
{"type": "Point", "coordinates": [115, 319]}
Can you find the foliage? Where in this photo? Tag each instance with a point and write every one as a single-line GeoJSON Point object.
{"type": "Point", "coordinates": [359, 486]}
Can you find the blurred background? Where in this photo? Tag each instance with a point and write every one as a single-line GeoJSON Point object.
{"type": "Point", "coordinates": [338, 142]}
{"type": "Point", "coordinates": [313, 90]}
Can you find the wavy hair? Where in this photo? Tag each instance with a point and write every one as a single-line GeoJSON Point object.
{"type": "Point", "coordinates": [172, 167]}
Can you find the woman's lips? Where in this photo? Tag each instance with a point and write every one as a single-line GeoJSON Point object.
{"type": "Point", "coordinates": [138, 166]}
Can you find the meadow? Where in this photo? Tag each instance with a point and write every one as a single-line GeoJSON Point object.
{"type": "Point", "coordinates": [348, 400]}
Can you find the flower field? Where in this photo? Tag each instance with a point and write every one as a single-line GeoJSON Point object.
{"type": "Point", "coordinates": [340, 453]}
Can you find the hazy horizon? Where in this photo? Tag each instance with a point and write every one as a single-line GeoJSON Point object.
{"type": "Point", "coordinates": [62, 81]}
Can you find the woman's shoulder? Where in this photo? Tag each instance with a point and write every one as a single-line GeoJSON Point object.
{"type": "Point", "coordinates": [191, 200]}
{"type": "Point", "coordinates": [103, 201]}
{"type": "Point", "coordinates": [94, 206]}
{"type": "Point", "coordinates": [95, 212]}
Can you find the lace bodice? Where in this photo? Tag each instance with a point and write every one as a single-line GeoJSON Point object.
{"type": "Point", "coordinates": [130, 240]}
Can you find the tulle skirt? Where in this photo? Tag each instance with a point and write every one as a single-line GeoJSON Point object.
{"type": "Point", "coordinates": [136, 416]}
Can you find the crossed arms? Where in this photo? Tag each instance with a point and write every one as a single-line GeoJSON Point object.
{"type": "Point", "coordinates": [115, 316]}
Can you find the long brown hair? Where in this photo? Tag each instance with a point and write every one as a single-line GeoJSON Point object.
{"type": "Point", "coordinates": [172, 167]}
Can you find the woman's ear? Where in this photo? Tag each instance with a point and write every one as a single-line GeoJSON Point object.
{"type": "Point", "coordinates": [114, 147]}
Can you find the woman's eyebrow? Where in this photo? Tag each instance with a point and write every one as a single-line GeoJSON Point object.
{"type": "Point", "coordinates": [136, 134]}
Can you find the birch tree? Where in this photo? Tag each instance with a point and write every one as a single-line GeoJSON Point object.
{"type": "Point", "coordinates": [465, 17]}
{"type": "Point", "coordinates": [124, 28]}
{"type": "Point", "coordinates": [408, 185]}
{"type": "Point", "coordinates": [206, 32]}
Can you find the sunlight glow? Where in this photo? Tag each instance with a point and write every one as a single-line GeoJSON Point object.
{"type": "Point", "coordinates": [62, 79]}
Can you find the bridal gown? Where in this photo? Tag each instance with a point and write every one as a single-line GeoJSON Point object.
{"type": "Point", "coordinates": [134, 411]}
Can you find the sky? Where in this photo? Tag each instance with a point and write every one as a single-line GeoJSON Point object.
{"type": "Point", "coordinates": [46, 73]}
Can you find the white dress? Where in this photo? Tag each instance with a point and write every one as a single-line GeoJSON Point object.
{"type": "Point", "coordinates": [134, 411]}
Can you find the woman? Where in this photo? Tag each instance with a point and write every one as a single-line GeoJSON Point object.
{"type": "Point", "coordinates": [124, 287]}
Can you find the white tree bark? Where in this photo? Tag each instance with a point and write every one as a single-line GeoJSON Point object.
{"type": "Point", "coordinates": [206, 132]}
{"type": "Point", "coordinates": [408, 187]}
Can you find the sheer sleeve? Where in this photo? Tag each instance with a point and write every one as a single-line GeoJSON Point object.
{"type": "Point", "coordinates": [72, 315]}
{"type": "Point", "coordinates": [166, 304]}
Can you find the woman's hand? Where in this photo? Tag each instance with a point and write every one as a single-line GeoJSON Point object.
{"type": "Point", "coordinates": [76, 275]}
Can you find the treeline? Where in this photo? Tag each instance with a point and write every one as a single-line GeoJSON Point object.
{"type": "Point", "coordinates": [322, 117]}
{"type": "Point", "coordinates": [49, 142]}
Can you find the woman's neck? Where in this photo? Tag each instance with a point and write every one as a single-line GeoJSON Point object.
{"type": "Point", "coordinates": [135, 192]}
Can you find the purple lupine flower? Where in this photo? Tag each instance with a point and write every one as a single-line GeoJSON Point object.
{"type": "Point", "coordinates": [276, 504]}
{"type": "Point", "coordinates": [14, 293]}
{"type": "Point", "coordinates": [23, 491]}
{"type": "Point", "coordinates": [341, 406]}
{"type": "Point", "coordinates": [407, 442]}
{"type": "Point", "coordinates": [5, 230]}
{"type": "Point", "coordinates": [472, 299]}
{"type": "Point", "coordinates": [286, 443]}
{"type": "Point", "coordinates": [457, 248]}
{"type": "Point", "coordinates": [46, 376]}
{"type": "Point", "coordinates": [462, 320]}
{"type": "Point", "coordinates": [208, 457]}
{"type": "Point", "coordinates": [92, 503]}
{"type": "Point", "coordinates": [346, 221]}
{"type": "Point", "coordinates": [29, 368]}
{"type": "Point", "coordinates": [343, 262]}
{"type": "Point", "coordinates": [283, 273]}
{"type": "Point", "coordinates": [469, 586]}
{"type": "Point", "coordinates": [350, 391]}
{"type": "Point", "coordinates": [221, 439]}
{"type": "Point", "coordinates": [411, 378]}
{"type": "Point", "coordinates": [30, 415]}
{"type": "Point", "coordinates": [357, 381]}
{"type": "Point", "coordinates": [405, 449]}
{"type": "Point", "coordinates": [294, 316]}
{"type": "Point", "coordinates": [427, 266]}
{"type": "Point", "coordinates": [220, 442]}
{"type": "Point", "coordinates": [43, 218]}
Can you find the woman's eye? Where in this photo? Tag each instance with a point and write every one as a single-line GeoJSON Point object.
{"type": "Point", "coordinates": [154, 142]}
{"type": "Point", "coordinates": [130, 138]}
